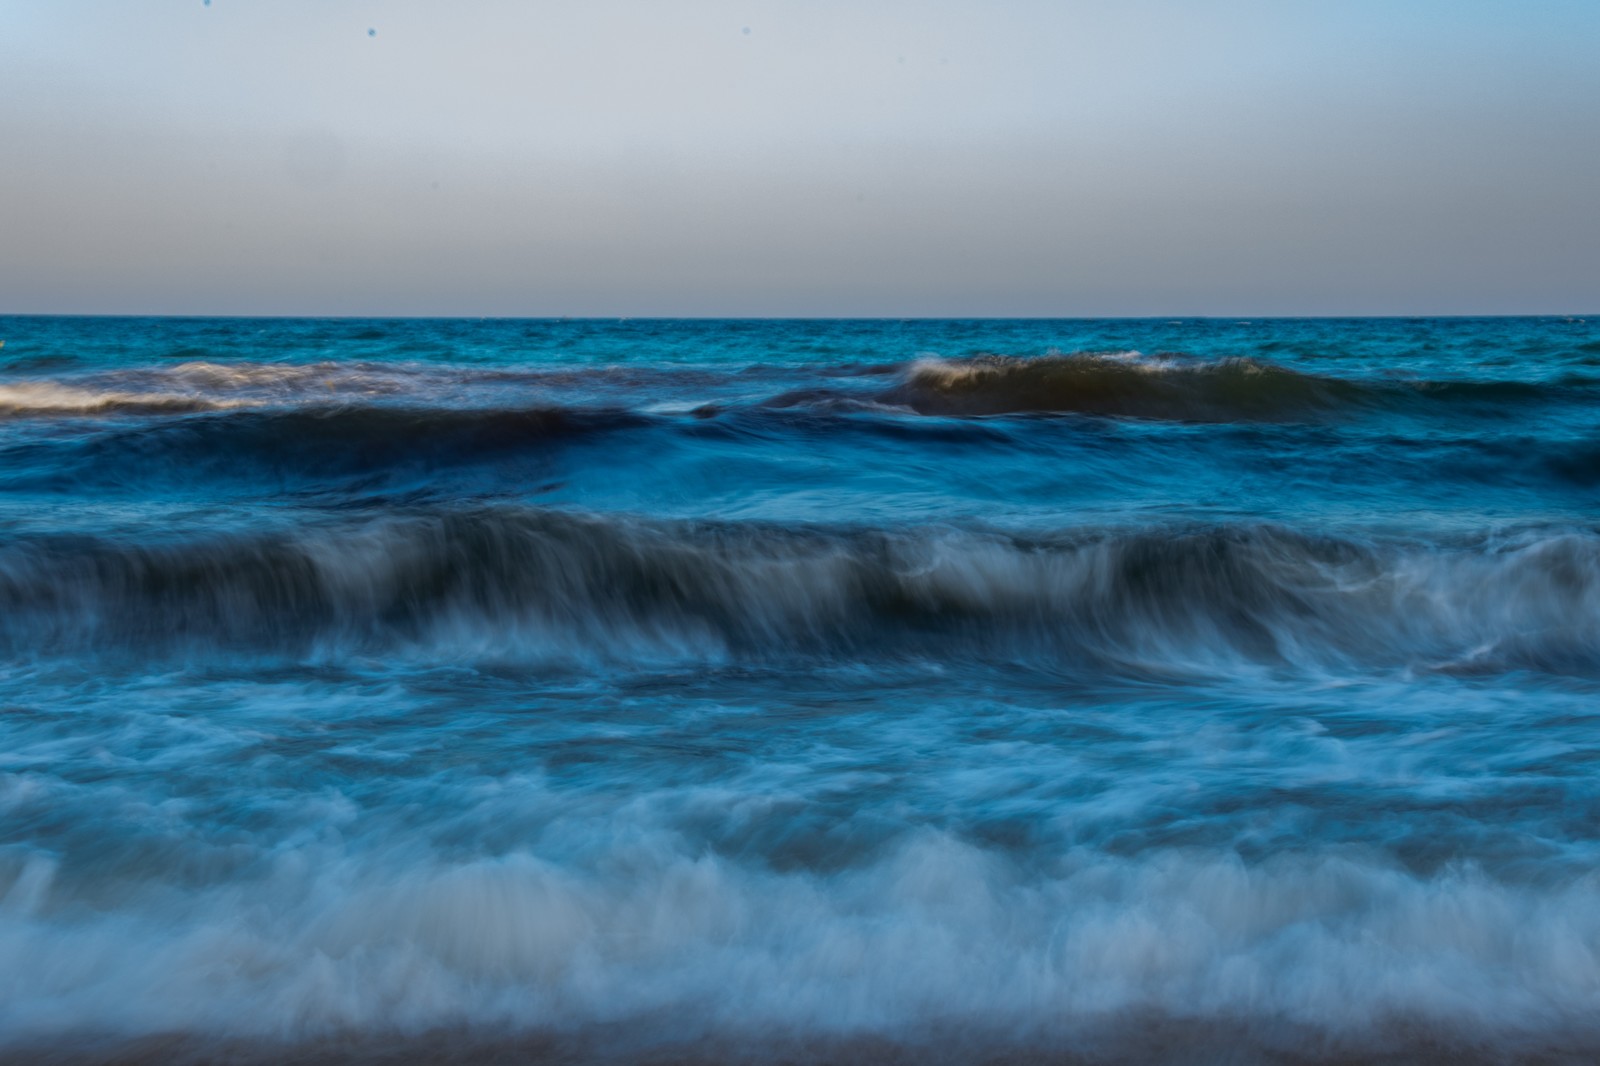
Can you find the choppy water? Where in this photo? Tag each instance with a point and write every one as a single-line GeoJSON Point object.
{"type": "Point", "coordinates": [980, 687]}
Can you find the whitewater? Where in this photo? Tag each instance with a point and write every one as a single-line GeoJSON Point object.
{"type": "Point", "coordinates": [804, 691]}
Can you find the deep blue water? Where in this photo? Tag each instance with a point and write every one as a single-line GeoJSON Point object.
{"type": "Point", "coordinates": [947, 684]}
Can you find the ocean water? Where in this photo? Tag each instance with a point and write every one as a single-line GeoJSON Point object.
{"type": "Point", "coordinates": [818, 690]}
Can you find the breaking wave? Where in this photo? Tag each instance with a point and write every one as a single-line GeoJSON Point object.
{"type": "Point", "coordinates": [1324, 956]}
{"type": "Point", "coordinates": [548, 585]}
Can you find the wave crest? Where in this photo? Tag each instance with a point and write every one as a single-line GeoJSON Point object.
{"type": "Point", "coordinates": [30, 398]}
{"type": "Point", "coordinates": [1120, 384]}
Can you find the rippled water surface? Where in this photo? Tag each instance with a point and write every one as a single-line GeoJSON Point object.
{"type": "Point", "coordinates": [879, 691]}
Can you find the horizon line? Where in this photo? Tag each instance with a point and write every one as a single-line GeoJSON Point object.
{"type": "Point", "coordinates": [285, 315]}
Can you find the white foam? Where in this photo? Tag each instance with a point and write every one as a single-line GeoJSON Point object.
{"type": "Point", "coordinates": [319, 939]}
{"type": "Point", "coordinates": [46, 397]}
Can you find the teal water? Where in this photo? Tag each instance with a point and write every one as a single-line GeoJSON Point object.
{"type": "Point", "coordinates": [1022, 684]}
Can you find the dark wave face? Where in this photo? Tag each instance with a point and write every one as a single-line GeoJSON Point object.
{"type": "Point", "coordinates": [799, 691]}
{"type": "Point", "coordinates": [1224, 390]}
{"type": "Point", "coordinates": [1227, 390]}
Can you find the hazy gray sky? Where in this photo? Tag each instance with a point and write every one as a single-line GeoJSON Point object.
{"type": "Point", "coordinates": [772, 157]}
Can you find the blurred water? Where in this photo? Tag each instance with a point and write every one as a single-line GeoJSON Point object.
{"type": "Point", "coordinates": [991, 685]}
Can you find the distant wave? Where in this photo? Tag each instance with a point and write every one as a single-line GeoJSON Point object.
{"type": "Point", "coordinates": [398, 444]}
{"type": "Point", "coordinates": [1126, 385]}
{"type": "Point", "coordinates": [190, 387]}
{"type": "Point", "coordinates": [545, 586]}
{"type": "Point", "coordinates": [28, 398]}
{"type": "Point", "coordinates": [1134, 386]}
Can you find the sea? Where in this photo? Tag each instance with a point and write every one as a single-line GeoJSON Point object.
{"type": "Point", "coordinates": [692, 691]}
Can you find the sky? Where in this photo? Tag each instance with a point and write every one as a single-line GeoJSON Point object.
{"type": "Point", "coordinates": [780, 157]}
